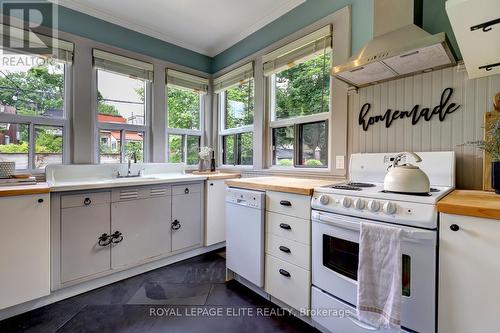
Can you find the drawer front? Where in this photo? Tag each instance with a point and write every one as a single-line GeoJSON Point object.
{"type": "Point", "coordinates": [291, 251]}
{"type": "Point", "coordinates": [337, 316]}
{"type": "Point", "coordinates": [85, 199]}
{"type": "Point", "coordinates": [289, 227]}
{"type": "Point", "coordinates": [290, 204]}
{"type": "Point", "coordinates": [288, 283]}
{"type": "Point", "coordinates": [186, 189]}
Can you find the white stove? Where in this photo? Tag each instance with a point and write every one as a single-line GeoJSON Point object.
{"type": "Point", "coordinates": [338, 212]}
{"type": "Point", "coordinates": [364, 196]}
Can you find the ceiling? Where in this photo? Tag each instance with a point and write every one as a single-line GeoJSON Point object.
{"type": "Point", "coordinates": [204, 26]}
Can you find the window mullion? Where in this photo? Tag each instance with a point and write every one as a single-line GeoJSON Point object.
{"type": "Point", "coordinates": [31, 146]}
{"type": "Point", "coordinates": [122, 146]}
{"type": "Point", "coordinates": [237, 149]}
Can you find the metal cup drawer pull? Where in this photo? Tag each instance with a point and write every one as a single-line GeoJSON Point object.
{"type": "Point", "coordinates": [104, 240]}
{"type": "Point", "coordinates": [284, 273]}
{"type": "Point", "coordinates": [116, 237]}
{"type": "Point", "coordinates": [286, 203]}
{"type": "Point", "coordinates": [87, 201]}
{"type": "Point", "coordinates": [285, 249]}
{"type": "Point", "coordinates": [285, 226]}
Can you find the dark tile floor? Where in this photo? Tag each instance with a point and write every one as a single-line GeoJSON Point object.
{"type": "Point", "coordinates": [188, 296]}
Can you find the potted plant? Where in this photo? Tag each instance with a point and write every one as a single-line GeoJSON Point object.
{"type": "Point", "coordinates": [491, 145]}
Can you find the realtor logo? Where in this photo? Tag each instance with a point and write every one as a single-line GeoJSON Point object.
{"type": "Point", "coordinates": [22, 22]}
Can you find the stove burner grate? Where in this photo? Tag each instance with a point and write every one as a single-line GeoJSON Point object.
{"type": "Point", "coordinates": [345, 187]}
{"type": "Point", "coordinates": [360, 184]}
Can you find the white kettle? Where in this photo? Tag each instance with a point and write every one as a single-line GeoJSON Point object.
{"type": "Point", "coordinates": [406, 178]}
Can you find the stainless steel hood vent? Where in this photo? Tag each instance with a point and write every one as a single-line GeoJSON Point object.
{"type": "Point", "coordinates": [397, 53]}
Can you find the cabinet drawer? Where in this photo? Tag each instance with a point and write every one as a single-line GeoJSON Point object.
{"type": "Point", "coordinates": [186, 189]}
{"type": "Point", "coordinates": [288, 283]}
{"type": "Point", "coordinates": [85, 199]}
{"type": "Point", "coordinates": [321, 302]}
{"type": "Point", "coordinates": [290, 204]}
{"type": "Point", "coordinates": [289, 227]}
{"type": "Point", "coordinates": [291, 251]}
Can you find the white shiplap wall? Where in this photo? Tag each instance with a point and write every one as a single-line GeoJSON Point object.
{"type": "Point", "coordinates": [466, 124]}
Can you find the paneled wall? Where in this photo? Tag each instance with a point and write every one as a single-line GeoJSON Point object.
{"type": "Point", "coordinates": [466, 124]}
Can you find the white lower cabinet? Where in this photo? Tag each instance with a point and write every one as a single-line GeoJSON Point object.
{"type": "Point", "coordinates": [469, 273]}
{"type": "Point", "coordinates": [81, 228]}
{"type": "Point", "coordinates": [97, 233]}
{"type": "Point", "coordinates": [288, 248]}
{"type": "Point", "coordinates": [24, 248]}
{"type": "Point", "coordinates": [144, 229]}
{"type": "Point", "coordinates": [215, 225]}
{"type": "Point", "coordinates": [186, 217]}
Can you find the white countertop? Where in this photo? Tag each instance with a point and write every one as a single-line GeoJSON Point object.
{"type": "Point", "coordinates": [99, 183]}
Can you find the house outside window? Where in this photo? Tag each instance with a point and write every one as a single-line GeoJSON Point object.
{"type": "Point", "coordinates": [34, 92]}
{"type": "Point", "coordinates": [236, 110]}
{"type": "Point", "coordinates": [123, 103]}
{"type": "Point", "coordinates": [186, 95]}
{"type": "Point", "coordinates": [298, 77]}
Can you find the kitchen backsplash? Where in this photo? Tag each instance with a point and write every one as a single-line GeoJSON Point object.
{"type": "Point", "coordinates": [475, 97]}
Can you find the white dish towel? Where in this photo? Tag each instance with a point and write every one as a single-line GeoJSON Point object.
{"type": "Point", "coordinates": [379, 276]}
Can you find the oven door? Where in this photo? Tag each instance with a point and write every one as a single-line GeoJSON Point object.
{"type": "Point", "coordinates": [335, 254]}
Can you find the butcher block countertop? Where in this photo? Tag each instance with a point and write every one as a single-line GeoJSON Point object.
{"type": "Point", "coordinates": [304, 186]}
{"type": "Point", "coordinates": [9, 191]}
{"type": "Point", "coordinates": [471, 203]}
{"type": "Point", "coordinates": [217, 175]}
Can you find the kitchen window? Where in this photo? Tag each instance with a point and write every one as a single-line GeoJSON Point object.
{"type": "Point", "coordinates": [123, 103]}
{"type": "Point", "coordinates": [185, 112]}
{"type": "Point", "coordinates": [236, 109]}
{"type": "Point", "coordinates": [34, 95]}
{"type": "Point", "coordinates": [298, 77]}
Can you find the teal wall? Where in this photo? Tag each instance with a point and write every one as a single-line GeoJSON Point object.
{"type": "Point", "coordinates": [300, 17]}
{"type": "Point", "coordinates": [434, 20]}
{"type": "Point", "coordinates": [96, 29]}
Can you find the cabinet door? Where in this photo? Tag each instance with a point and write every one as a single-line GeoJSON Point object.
{"type": "Point", "coordinates": [81, 227]}
{"type": "Point", "coordinates": [145, 228]}
{"type": "Point", "coordinates": [186, 220]}
{"type": "Point", "coordinates": [215, 228]}
{"type": "Point", "coordinates": [469, 272]}
{"type": "Point", "coordinates": [24, 248]}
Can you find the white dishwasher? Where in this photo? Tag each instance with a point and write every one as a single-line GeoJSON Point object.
{"type": "Point", "coordinates": [245, 233]}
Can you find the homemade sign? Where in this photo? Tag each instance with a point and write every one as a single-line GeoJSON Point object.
{"type": "Point", "coordinates": [416, 114]}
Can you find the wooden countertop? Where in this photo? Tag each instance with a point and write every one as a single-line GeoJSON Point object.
{"type": "Point", "coordinates": [471, 203]}
{"type": "Point", "coordinates": [217, 175]}
{"type": "Point", "coordinates": [304, 186]}
{"type": "Point", "coordinates": [8, 191]}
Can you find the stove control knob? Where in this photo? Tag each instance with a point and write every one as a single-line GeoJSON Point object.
{"type": "Point", "coordinates": [346, 202]}
{"type": "Point", "coordinates": [324, 199]}
{"type": "Point", "coordinates": [373, 206]}
{"type": "Point", "coordinates": [389, 208]}
{"type": "Point", "coordinates": [359, 204]}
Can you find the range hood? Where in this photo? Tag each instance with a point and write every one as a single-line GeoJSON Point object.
{"type": "Point", "coordinates": [400, 48]}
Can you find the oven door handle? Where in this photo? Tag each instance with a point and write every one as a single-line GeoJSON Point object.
{"type": "Point", "coordinates": [341, 222]}
{"type": "Point", "coordinates": [361, 324]}
{"type": "Point", "coordinates": [338, 222]}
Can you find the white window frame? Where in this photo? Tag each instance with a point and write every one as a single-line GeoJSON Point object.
{"type": "Point", "coordinates": [33, 121]}
{"type": "Point", "coordinates": [122, 128]}
{"type": "Point", "coordinates": [270, 90]}
{"type": "Point", "coordinates": [230, 131]}
{"type": "Point", "coordinates": [186, 132]}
